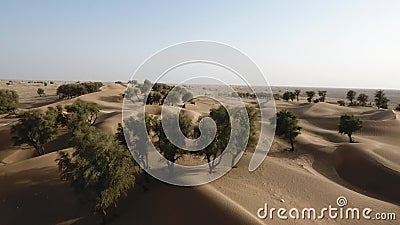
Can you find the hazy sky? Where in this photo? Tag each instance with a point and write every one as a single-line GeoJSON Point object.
{"type": "Point", "coordinates": [299, 43]}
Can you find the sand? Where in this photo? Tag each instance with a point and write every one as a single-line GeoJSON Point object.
{"type": "Point", "coordinates": [324, 167]}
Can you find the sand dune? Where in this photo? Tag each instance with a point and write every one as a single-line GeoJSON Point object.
{"type": "Point", "coordinates": [378, 156]}
{"type": "Point", "coordinates": [324, 167]}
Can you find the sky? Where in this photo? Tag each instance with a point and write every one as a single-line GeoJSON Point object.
{"type": "Point", "coordinates": [351, 43]}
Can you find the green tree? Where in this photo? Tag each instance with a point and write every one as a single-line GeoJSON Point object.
{"type": "Point", "coordinates": [40, 92]}
{"type": "Point", "coordinates": [8, 100]}
{"type": "Point", "coordinates": [348, 124]}
{"type": "Point", "coordinates": [351, 95]}
{"type": "Point", "coordinates": [154, 98]}
{"type": "Point", "coordinates": [81, 114]}
{"type": "Point", "coordinates": [137, 139]}
{"type": "Point", "coordinates": [243, 130]}
{"type": "Point", "coordinates": [169, 150]}
{"type": "Point", "coordinates": [187, 96]}
{"type": "Point", "coordinates": [173, 97]}
{"type": "Point", "coordinates": [131, 92]}
{"type": "Point", "coordinates": [100, 170]}
{"type": "Point", "coordinates": [322, 95]}
{"type": "Point", "coordinates": [341, 103]}
{"type": "Point", "coordinates": [297, 93]}
{"type": "Point", "coordinates": [287, 126]}
{"type": "Point", "coordinates": [36, 129]}
{"type": "Point", "coordinates": [310, 95]}
{"type": "Point", "coordinates": [146, 86]}
{"type": "Point", "coordinates": [380, 99]}
{"type": "Point", "coordinates": [362, 99]}
{"type": "Point", "coordinates": [221, 118]}
{"type": "Point", "coordinates": [286, 96]}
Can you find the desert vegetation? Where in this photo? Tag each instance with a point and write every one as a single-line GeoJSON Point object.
{"type": "Point", "coordinates": [98, 165]}
{"type": "Point", "coordinates": [8, 100]}
{"type": "Point", "coordinates": [287, 126]}
{"type": "Point", "coordinates": [380, 99]}
{"type": "Point", "coordinates": [348, 124]}
{"type": "Point", "coordinates": [74, 90]}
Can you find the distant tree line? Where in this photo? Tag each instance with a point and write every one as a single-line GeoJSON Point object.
{"type": "Point", "coordinates": [74, 90]}
{"type": "Point", "coordinates": [380, 99]}
{"type": "Point", "coordinates": [250, 95]}
{"type": "Point", "coordinates": [157, 93]}
{"type": "Point", "coordinates": [172, 153]}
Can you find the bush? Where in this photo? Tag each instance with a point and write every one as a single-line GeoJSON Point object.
{"type": "Point", "coordinates": [341, 103]}
{"type": "Point", "coordinates": [8, 100]}
{"type": "Point", "coordinates": [40, 92]}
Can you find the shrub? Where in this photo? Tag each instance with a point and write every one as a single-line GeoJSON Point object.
{"type": "Point", "coordinates": [40, 92]}
{"type": "Point", "coordinates": [341, 103]}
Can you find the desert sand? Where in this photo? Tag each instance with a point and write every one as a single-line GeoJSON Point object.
{"type": "Point", "coordinates": [324, 167]}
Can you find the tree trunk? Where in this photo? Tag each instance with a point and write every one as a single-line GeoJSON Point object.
{"type": "Point", "coordinates": [350, 138]}
{"type": "Point", "coordinates": [209, 164]}
{"type": "Point", "coordinates": [42, 149]}
{"type": "Point", "coordinates": [292, 144]}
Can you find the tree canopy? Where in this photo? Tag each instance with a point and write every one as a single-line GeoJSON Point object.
{"type": "Point", "coordinates": [77, 89]}
{"type": "Point", "coordinates": [100, 170]}
{"type": "Point", "coordinates": [81, 114]}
